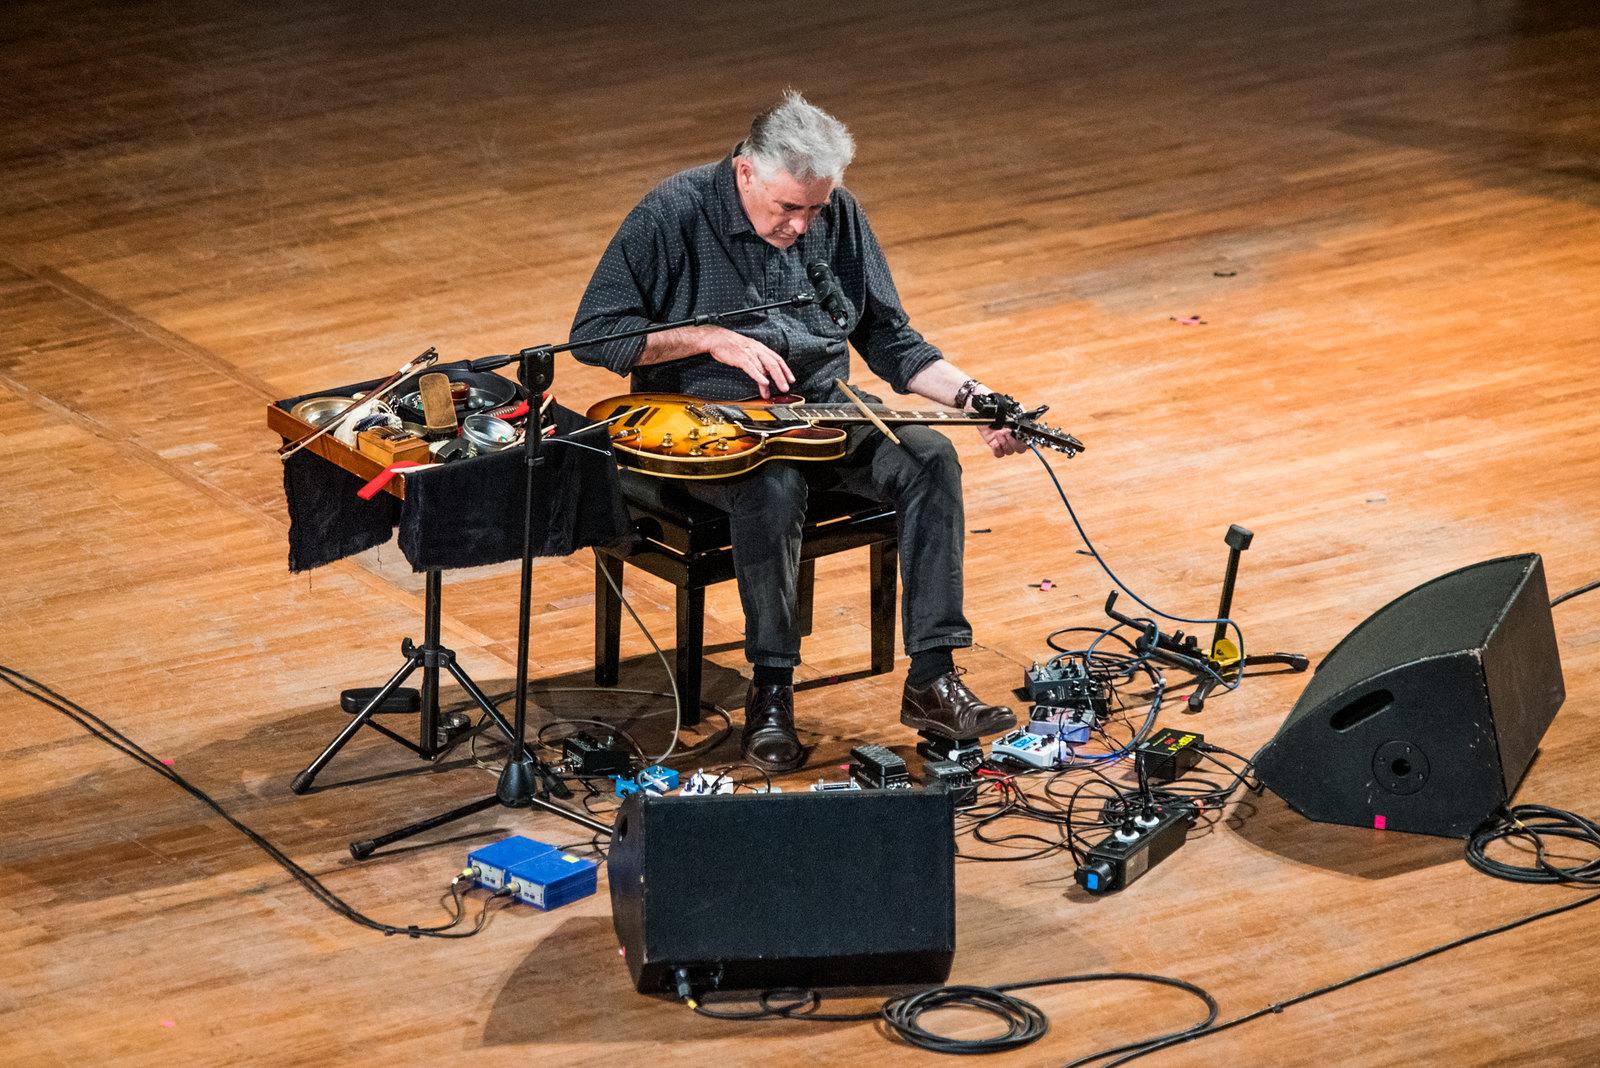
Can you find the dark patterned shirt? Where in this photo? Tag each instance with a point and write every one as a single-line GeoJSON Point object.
{"type": "Point", "coordinates": [689, 249]}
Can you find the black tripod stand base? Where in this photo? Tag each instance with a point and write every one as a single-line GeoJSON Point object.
{"type": "Point", "coordinates": [513, 778]}
{"type": "Point", "coordinates": [518, 781]}
{"type": "Point", "coordinates": [364, 849]}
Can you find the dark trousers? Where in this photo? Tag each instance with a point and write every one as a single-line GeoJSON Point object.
{"type": "Point", "coordinates": [920, 478]}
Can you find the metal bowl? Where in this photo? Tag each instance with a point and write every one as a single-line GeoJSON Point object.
{"type": "Point", "coordinates": [488, 433]}
{"type": "Point", "coordinates": [319, 410]}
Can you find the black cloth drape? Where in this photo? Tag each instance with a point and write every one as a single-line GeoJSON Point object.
{"type": "Point", "coordinates": [465, 514]}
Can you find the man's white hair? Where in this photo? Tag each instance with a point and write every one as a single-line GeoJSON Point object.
{"type": "Point", "coordinates": [800, 138]}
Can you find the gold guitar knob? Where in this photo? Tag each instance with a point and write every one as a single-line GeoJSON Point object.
{"type": "Point", "coordinates": [722, 446]}
{"type": "Point", "coordinates": [694, 432]}
{"type": "Point", "coordinates": [666, 441]}
{"type": "Point", "coordinates": [697, 450]}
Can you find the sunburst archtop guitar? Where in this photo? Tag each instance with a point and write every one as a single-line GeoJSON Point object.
{"type": "Point", "coordinates": [672, 435]}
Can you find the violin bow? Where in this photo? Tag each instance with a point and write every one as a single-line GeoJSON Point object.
{"type": "Point", "coordinates": [417, 363]}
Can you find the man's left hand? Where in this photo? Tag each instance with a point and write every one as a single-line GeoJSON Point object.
{"type": "Point", "coordinates": [1001, 442]}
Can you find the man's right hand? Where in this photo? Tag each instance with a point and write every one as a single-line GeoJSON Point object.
{"type": "Point", "coordinates": [766, 367]}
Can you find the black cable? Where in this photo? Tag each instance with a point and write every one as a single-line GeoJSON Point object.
{"type": "Point", "coordinates": [103, 731]}
{"type": "Point", "coordinates": [1531, 825]}
{"type": "Point", "coordinates": [1204, 664]}
{"type": "Point", "coordinates": [1570, 594]}
{"type": "Point", "coordinates": [1361, 977]}
{"type": "Point", "coordinates": [1024, 1021]}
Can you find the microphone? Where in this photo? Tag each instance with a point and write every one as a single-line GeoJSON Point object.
{"type": "Point", "coordinates": [829, 293]}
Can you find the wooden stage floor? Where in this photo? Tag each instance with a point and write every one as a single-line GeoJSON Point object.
{"type": "Point", "coordinates": [1386, 217]}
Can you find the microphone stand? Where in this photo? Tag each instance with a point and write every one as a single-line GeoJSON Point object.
{"type": "Point", "coordinates": [526, 781]}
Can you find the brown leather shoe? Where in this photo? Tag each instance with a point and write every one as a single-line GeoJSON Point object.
{"type": "Point", "coordinates": [946, 705]}
{"type": "Point", "coordinates": [769, 739]}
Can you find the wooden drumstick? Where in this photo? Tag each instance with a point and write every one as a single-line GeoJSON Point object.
{"type": "Point", "coordinates": [868, 412]}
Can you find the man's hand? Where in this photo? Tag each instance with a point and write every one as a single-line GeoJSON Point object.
{"type": "Point", "coordinates": [1001, 442]}
{"type": "Point", "coordinates": [766, 367]}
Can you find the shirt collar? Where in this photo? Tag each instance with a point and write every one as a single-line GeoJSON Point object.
{"type": "Point", "coordinates": [734, 219]}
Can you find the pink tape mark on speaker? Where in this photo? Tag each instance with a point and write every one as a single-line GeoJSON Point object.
{"type": "Point", "coordinates": [1381, 822]}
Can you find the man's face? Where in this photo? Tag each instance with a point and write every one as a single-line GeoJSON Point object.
{"type": "Point", "coordinates": [781, 207]}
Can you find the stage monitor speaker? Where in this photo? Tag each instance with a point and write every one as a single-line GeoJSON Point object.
{"type": "Point", "coordinates": [1425, 716]}
{"type": "Point", "coordinates": [850, 889]}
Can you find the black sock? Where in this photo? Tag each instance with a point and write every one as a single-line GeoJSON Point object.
{"type": "Point", "coordinates": [929, 665]}
{"type": "Point", "coordinates": [773, 676]}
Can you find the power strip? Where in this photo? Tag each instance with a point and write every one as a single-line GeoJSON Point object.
{"type": "Point", "coordinates": [1135, 847]}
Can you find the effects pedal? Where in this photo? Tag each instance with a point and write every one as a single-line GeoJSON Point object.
{"type": "Point", "coordinates": [1068, 685]}
{"type": "Point", "coordinates": [1029, 750]}
{"type": "Point", "coordinates": [1139, 844]}
{"type": "Point", "coordinates": [875, 767]}
{"type": "Point", "coordinates": [1169, 753]}
{"type": "Point", "coordinates": [968, 752]}
{"type": "Point", "coordinates": [586, 757]}
{"type": "Point", "coordinates": [1071, 725]}
{"type": "Point", "coordinates": [956, 778]}
{"type": "Point", "coordinates": [701, 785]}
{"type": "Point", "coordinates": [656, 779]}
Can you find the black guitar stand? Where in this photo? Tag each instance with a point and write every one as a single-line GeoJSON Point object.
{"type": "Point", "coordinates": [1220, 664]}
{"type": "Point", "coordinates": [437, 734]}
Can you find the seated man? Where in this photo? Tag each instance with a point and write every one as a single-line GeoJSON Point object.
{"type": "Point", "coordinates": [742, 232]}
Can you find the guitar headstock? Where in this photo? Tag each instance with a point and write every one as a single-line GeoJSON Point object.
{"type": "Point", "coordinates": [1024, 423]}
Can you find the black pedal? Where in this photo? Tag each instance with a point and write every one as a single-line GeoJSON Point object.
{"type": "Point", "coordinates": [875, 767]}
{"type": "Point", "coordinates": [1142, 842]}
{"type": "Point", "coordinates": [956, 778]}
{"type": "Point", "coordinates": [968, 752]}
{"type": "Point", "coordinates": [586, 757]}
{"type": "Point", "coordinates": [1068, 685]}
{"type": "Point", "coordinates": [1169, 753]}
{"type": "Point", "coordinates": [403, 699]}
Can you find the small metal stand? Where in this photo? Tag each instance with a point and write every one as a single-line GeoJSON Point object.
{"type": "Point", "coordinates": [1221, 663]}
{"type": "Point", "coordinates": [434, 736]}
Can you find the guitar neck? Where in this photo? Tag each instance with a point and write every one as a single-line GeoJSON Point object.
{"type": "Point", "coordinates": [849, 413]}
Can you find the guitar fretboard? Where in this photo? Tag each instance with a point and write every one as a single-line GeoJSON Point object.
{"type": "Point", "coordinates": [842, 413]}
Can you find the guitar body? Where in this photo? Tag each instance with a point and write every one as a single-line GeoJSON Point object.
{"type": "Point", "coordinates": [673, 435]}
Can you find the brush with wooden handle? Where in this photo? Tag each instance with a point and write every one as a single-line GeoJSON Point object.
{"type": "Point", "coordinates": [438, 409]}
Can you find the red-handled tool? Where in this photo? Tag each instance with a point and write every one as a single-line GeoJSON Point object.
{"type": "Point", "coordinates": [375, 487]}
